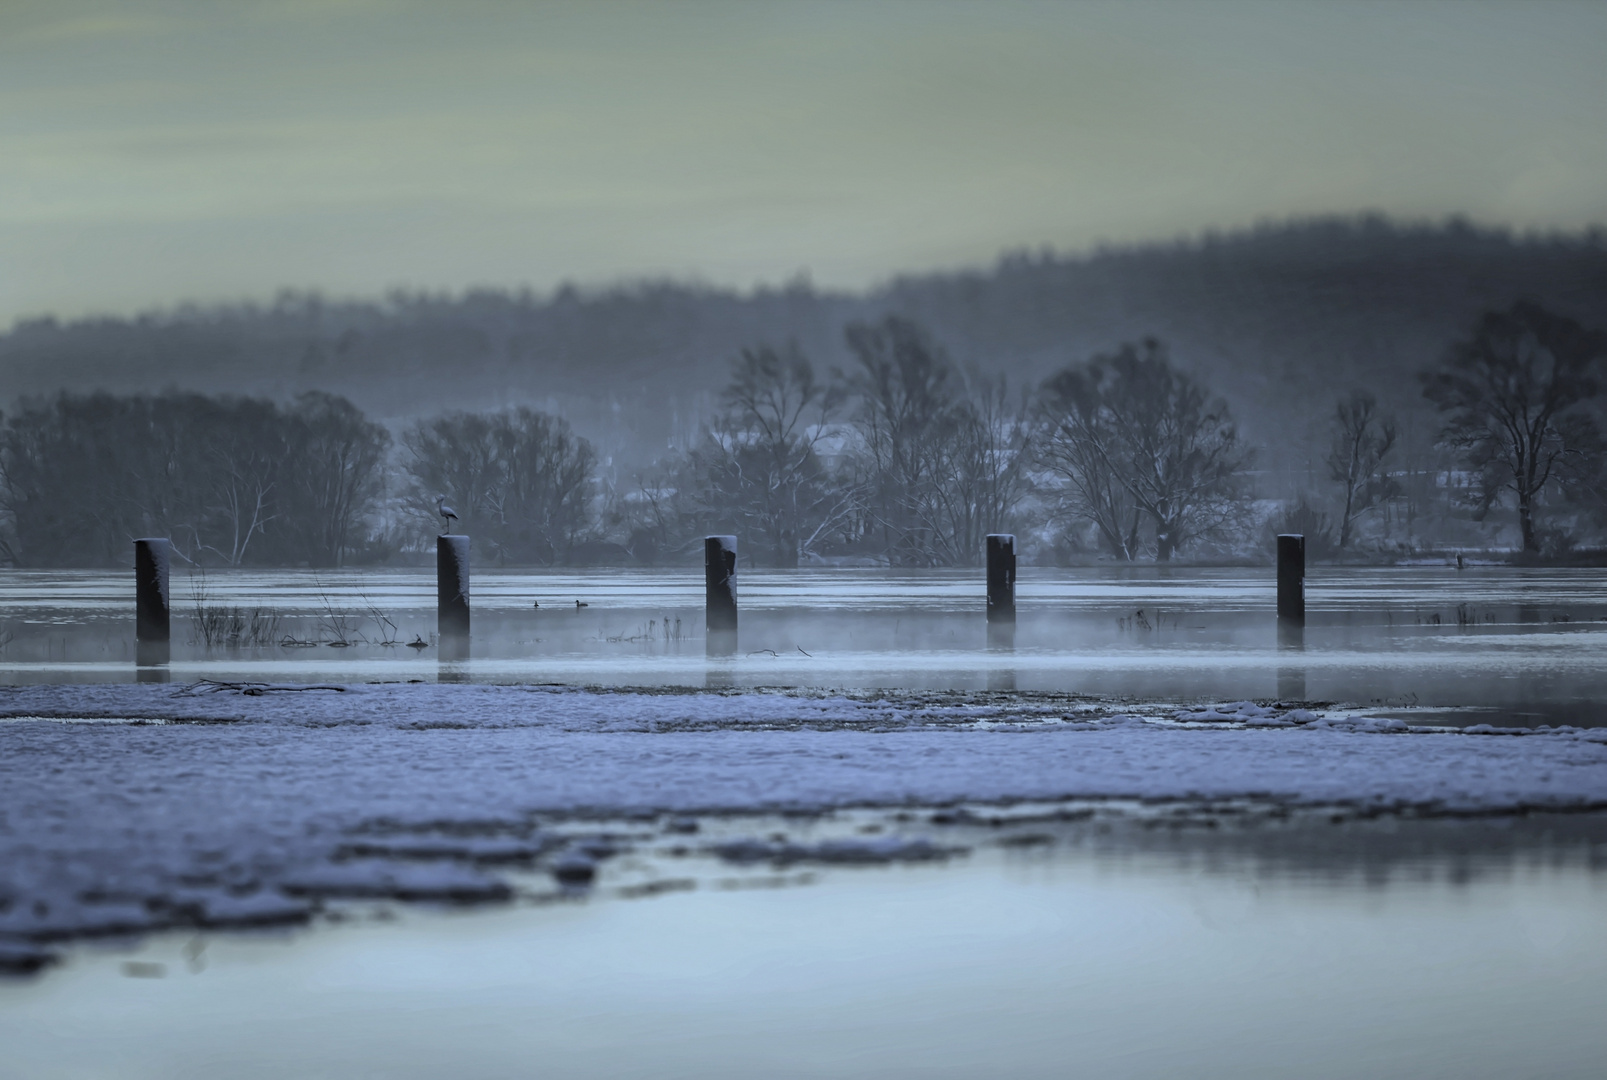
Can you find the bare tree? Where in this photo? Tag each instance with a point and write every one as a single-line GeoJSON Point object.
{"type": "Point", "coordinates": [758, 464]}
{"type": "Point", "coordinates": [338, 475]}
{"type": "Point", "coordinates": [985, 476]}
{"type": "Point", "coordinates": [230, 479]}
{"type": "Point", "coordinates": [1362, 441]}
{"type": "Point", "coordinates": [520, 479]}
{"type": "Point", "coordinates": [453, 454]}
{"type": "Point", "coordinates": [1512, 392]}
{"type": "Point", "coordinates": [907, 412]}
{"type": "Point", "coordinates": [544, 486]}
{"type": "Point", "coordinates": [245, 439]}
{"type": "Point", "coordinates": [1131, 421]}
{"type": "Point", "coordinates": [1076, 435]}
{"type": "Point", "coordinates": [66, 489]}
{"type": "Point", "coordinates": [650, 516]}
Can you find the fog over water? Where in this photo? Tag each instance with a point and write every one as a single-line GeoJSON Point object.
{"type": "Point", "coordinates": [1501, 645]}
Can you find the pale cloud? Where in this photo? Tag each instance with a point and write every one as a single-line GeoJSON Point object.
{"type": "Point", "coordinates": [209, 150]}
{"type": "Point", "coordinates": [43, 28]}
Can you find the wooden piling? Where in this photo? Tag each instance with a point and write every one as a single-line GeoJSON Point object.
{"type": "Point", "coordinates": [1291, 661]}
{"type": "Point", "coordinates": [720, 593]}
{"type": "Point", "coordinates": [452, 587]}
{"type": "Point", "coordinates": [152, 619]}
{"type": "Point", "coordinates": [1292, 576]}
{"type": "Point", "coordinates": [1001, 552]}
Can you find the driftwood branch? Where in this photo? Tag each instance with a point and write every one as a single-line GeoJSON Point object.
{"type": "Point", "coordinates": [249, 689]}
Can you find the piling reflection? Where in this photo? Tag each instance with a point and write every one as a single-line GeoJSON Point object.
{"type": "Point", "coordinates": [1291, 659]}
{"type": "Point", "coordinates": [1002, 640]}
{"type": "Point", "coordinates": [151, 660]}
{"type": "Point", "coordinates": [1001, 678]}
{"type": "Point", "coordinates": [722, 642]}
{"type": "Point", "coordinates": [1373, 633]}
{"type": "Point", "coordinates": [453, 653]}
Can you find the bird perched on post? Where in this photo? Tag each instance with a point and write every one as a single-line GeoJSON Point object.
{"type": "Point", "coordinates": [448, 515]}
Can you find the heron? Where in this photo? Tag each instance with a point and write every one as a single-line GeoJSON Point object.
{"type": "Point", "coordinates": [448, 515]}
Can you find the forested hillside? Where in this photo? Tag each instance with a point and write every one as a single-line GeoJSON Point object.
{"type": "Point", "coordinates": [1280, 320]}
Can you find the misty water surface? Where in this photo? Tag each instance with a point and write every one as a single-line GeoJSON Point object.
{"type": "Point", "coordinates": [1525, 643]}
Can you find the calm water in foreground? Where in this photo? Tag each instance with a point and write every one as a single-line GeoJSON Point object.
{"type": "Point", "coordinates": [1449, 954]}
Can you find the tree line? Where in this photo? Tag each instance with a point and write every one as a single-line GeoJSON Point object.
{"type": "Point", "coordinates": [1274, 319]}
{"type": "Point", "coordinates": [900, 455]}
{"type": "Point", "coordinates": [237, 481]}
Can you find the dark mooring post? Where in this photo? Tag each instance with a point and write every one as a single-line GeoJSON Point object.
{"type": "Point", "coordinates": [1001, 578]}
{"type": "Point", "coordinates": [452, 588]}
{"type": "Point", "coordinates": [152, 609]}
{"type": "Point", "coordinates": [1292, 576]}
{"type": "Point", "coordinates": [152, 557]}
{"type": "Point", "coordinates": [720, 593]}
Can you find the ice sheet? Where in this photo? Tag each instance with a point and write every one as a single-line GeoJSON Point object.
{"type": "Point", "coordinates": [124, 808]}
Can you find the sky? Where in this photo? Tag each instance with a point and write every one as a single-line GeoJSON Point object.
{"type": "Point", "coordinates": [155, 153]}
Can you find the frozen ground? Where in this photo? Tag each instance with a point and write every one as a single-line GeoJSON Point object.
{"type": "Point", "coordinates": [135, 807]}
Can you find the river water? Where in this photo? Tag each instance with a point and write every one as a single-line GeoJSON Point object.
{"type": "Point", "coordinates": [1491, 644]}
{"type": "Point", "coordinates": [1391, 947]}
{"type": "Point", "coordinates": [1369, 950]}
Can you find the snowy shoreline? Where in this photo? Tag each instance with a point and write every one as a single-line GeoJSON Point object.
{"type": "Point", "coordinates": [135, 807]}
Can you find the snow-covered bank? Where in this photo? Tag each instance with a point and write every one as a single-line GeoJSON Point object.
{"type": "Point", "coordinates": [129, 807]}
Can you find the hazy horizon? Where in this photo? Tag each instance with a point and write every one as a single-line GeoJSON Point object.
{"type": "Point", "coordinates": [159, 153]}
{"type": "Point", "coordinates": [626, 282]}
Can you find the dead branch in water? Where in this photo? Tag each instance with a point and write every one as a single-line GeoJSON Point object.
{"type": "Point", "coordinates": [249, 689]}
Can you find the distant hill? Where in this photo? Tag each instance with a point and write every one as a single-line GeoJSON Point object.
{"type": "Point", "coordinates": [1279, 319]}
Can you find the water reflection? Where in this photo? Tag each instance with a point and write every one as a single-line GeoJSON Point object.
{"type": "Point", "coordinates": [1345, 847]}
{"type": "Point", "coordinates": [721, 643]}
{"type": "Point", "coordinates": [1002, 636]}
{"type": "Point", "coordinates": [1291, 665]}
{"type": "Point", "coordinates": [1298, 947]}
{"type": "Point", "coordinates": [151, 659]}
{"type": "Point", "coordinates": [452, 659]}
{"type": "Point", "coordinates": [1001, 644]}
{"type": "Point", "coordinates": [1520, 639]}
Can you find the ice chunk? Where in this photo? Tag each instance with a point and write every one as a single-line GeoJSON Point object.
{"type": "Point", "coordinates": [256, 909]}
{"type": "Point", "coordinates": [575, 869]}
{"type": "Point", "coordinates": [22, 958]}
{"type": "Point", "coordinates": [115, 829]}
{"type": "Point", "coordinates": [861, 852]}
{"type": "Point", "coordinates": [379, 879]}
